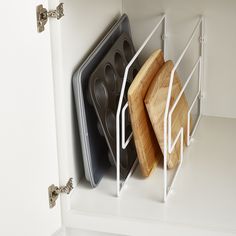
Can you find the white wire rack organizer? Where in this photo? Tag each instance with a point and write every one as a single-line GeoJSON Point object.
{"type": "Point", "coordinates": [168, 144]}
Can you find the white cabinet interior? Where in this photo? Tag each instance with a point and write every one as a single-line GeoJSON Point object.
{"type": "Point", "coordinates": [203, 200]}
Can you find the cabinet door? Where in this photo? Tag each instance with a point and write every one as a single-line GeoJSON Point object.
{"type": "Point", "coordinates": [28, 151]}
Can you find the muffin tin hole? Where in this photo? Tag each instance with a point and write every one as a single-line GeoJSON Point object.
{"type": "Point", "coordinates": [110, 120]}
{"type": "Point", "coordinates": [127, 51]}
{"type": "Point", "coordinates": [99, 126]}
{"type": "Point", "coordinates": [110, 157]}
{"type": "Point", "coordinates": [135, 72]}
{"type": "Point", "coordinates": [110, 77]}
{"type": "Point", "coordinates": [127, 88]}
{"type": "Point", "coordinates": [89, 99]}
{"type": "Point", "coordinates": [124, 160]}
{"type": "Point", "coordinates": [119, 64]}
{"type": "Point", "coordinates": [101, 93]}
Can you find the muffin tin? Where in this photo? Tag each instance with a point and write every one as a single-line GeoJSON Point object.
{"type": "Point", "coordinates": [94, 147]}
{"type": "Point", "coordinates": [104, 92]}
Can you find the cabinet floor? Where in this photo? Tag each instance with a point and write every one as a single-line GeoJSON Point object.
{"type": "Point", "coordinates": [203, 197]}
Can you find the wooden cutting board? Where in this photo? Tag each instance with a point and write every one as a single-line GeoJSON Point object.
{"type": "Point", "coordinates": [147, 147]}
{"type": "Point", "coordinates": [156, 101]}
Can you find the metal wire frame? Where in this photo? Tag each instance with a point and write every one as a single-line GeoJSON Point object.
{"type": "Point", "coordinates": [168, 145]}
{"type": "Point", "coordinates": [123, 141]}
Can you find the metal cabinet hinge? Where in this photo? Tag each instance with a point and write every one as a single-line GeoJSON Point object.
{"type": "Point", "coordinates": [43, 14]}
{"type": "Point", "coordinates": [54, 191]}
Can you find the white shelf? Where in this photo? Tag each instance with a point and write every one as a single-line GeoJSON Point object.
{"type": "Point", "coordinates": [76, 232]}
{"type": "Point", "coordinates": [203, 199]}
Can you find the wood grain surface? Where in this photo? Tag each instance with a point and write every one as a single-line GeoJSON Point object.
{"type": "Point", "coordinates": [147, 147]}
{"type": "Point", "coordinates": [155, 101]}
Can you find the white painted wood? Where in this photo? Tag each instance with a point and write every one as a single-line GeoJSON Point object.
{"type": "Point", "coordinates": [76, 232]}
{"type": "Point", "coordinates": [203, 202]}
{"type": "Point", "coordinates": [73, 37]}
{"type": "Point", "coordinates": [28, 151]}
{"type": "Point", "coordinates": [80, 232]}
{"type": "Point", "coordinates": [60, 232]}
{"type": "Point", "coordinates": [169, 232]}
{"type": "Point", "coordinates": [204, 199]}
{"type": "Point", "coordinates": [220, 82]}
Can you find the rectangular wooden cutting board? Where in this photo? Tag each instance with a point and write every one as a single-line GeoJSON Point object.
{"type": "Point", "coordinates": [147, 147]}
{"type": "Point", "coordinates": [155, 101]}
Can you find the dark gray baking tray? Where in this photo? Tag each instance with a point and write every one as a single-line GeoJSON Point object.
{"type": "Point", "coordinates": [104, 89]}
{"type": "Point", "coordinates": [94, 146]}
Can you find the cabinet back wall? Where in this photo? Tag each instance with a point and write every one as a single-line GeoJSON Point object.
{"type": "Point", "coordinates": [220, 50]}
